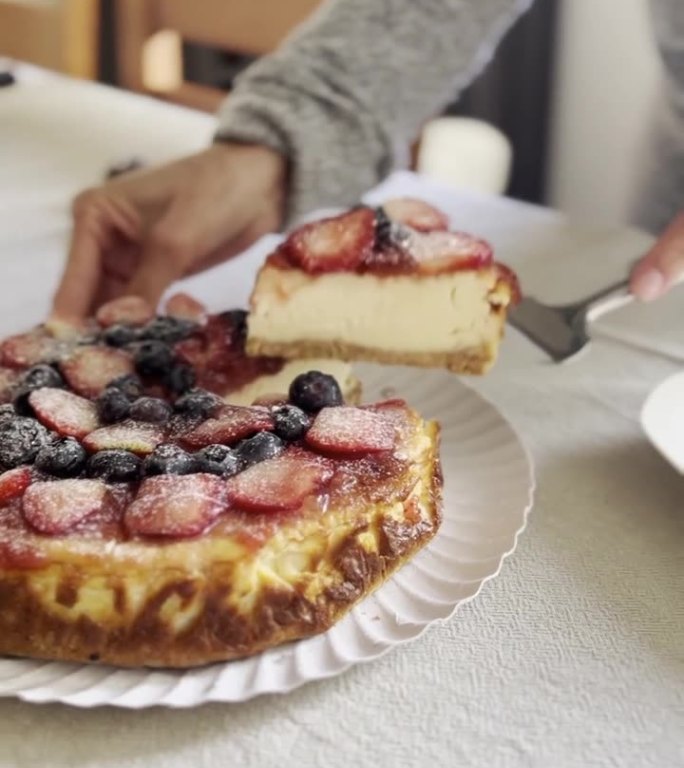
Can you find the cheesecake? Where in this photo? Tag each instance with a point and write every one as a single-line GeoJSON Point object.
{"type": "Point", "coordinates": [389, 285]}
{"type": "Point", "coordinates": [183, 348]}
{"type": "Point", "coordinates": [217, 534]}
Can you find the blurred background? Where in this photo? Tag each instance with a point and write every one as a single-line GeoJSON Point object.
{"type": "Point", "coordinates": [565, 100]}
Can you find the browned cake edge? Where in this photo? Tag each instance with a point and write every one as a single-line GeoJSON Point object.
{"type": "Point", "coordinates": [215, 633]}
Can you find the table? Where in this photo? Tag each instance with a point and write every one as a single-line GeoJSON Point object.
{"type": "Point", "coordinates": [572, 656]}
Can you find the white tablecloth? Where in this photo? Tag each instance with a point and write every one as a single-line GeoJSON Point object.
{"type": "Point", "coordinates": [572, 656]}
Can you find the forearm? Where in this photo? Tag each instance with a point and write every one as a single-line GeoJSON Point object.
{"type": "Point", "coordinates": [345, 96]}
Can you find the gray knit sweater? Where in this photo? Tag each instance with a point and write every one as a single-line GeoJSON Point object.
{"type": "Point", "coordinates": [347, 93]}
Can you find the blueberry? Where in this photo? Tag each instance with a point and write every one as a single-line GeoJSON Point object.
{"type": "Point", "coordinates": [113, 405]}
{"type": "Point", "coordinates": [218, 460]}
{"type": "Point", "coordinates": [291, 423]}
{"type": "Point", "coordinates": [389, 233]}
{"type": "Point", "coordinates": [42, 376]}
{"type": "Point", "coordinates": [198, 402]}
{"type": "Point", "coordinates": [169, 460]}
{"type": "Point", "coordinates": [150, 409]}
{"type": "Point", "coordinates": [179, 379]}
{"type": "Point", "coordinates": [314, 390]}
{"type": "Point", "coordinates": [383, 228]}
{"type": "Point", "coordinates": [120, 335]}
{"type": "Point", "coordinates": [20, 440]}
{"type": "Point", "coordinates": [129, 384]}
{"type": "Point", "coordinates": [264, 445]}
{"type": "Point", "coordinates": [63, 458]}
{"type": "Point", "coordinates": [114, 466]}
{"type": "Point", "coordinates": [153, 358]}
{"type": "Point", "coordinates": [35, 378]}
{"type": "Point", "coordinates": [7, 413]}
{"type": "Point", "coordinates": [167, 329]}
{"type": "Point", "coordinates": [21, 401]}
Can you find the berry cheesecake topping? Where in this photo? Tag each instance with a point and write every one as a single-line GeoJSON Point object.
{"type": "Point", "coordinates": [403, 236]}
{"type": "Point", "coordinates": [115, 429]}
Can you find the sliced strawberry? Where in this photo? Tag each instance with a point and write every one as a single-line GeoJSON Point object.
{"type": "Point", "coordinates": [349, 431]}
{"type": "Point", "coordinates": [438, 252]}
{"type": "Point", "coordinates": [127, 310]}
{"type": "Point", "coordinates": [90, 369]}
{"type": "Point", "coordinates": [56, 507]}
{"type": "Point", "coordinates": [231, 423]}
{"type": "Point", "coordinates": [26, 349]}
{"type": "Point", "coordinates": [279, 484]}
{"type": "Point", "coordinates": [391, 404]}
{"type": "Point", "coordinates": [416, 214]}
{"type": "Point", "coordinates": [335, 244]}
{"type": "Point", "coordinates": [176, 505]}
{"type": "Point", "coordinates": [66, 413]}
{"type": "Point", "coordinates": [13, 483]}
{"type": "Point", "coordinates": [8, 379]}
{"type": "Point", "coordinates": [64, 329]}
{"type": "Point", "coordinates": [183, 306]}
{"type": "Point", "coordinates": [394, 411]}
{"type": "Point", "coordinates": [128, 436]}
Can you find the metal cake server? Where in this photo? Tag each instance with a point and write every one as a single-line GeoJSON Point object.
{"type": "Point", "coordinates": [563, 331]}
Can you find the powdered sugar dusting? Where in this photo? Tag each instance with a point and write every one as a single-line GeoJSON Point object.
{"type": "Point", "coordinates": [444, 249]}
{"type": "Point", "coordinates": [55, 507]}
{"type": "Point", "coordinates": [280, 484]}
{"type": "Point", "coordinates": [27, 349]}
{"type": "Point", "coordinates": [128, 436]}
{"type": "Point", "coordinates": [13, 483]}
{"type": "Point", "coordinates": [350, 431]}
{"type": "Point", "coordinates": [231, 424]}
{"type": "Point", "coordinates": [68, 414]}
{"type": "Point", "coordinates": [89, 369]}
{"type": "Point", "coordinates": [176, 506]}
{"type": "Point", "coordinates": [127, 310]}
{"type": "Point", "coordinates": [416, 214]}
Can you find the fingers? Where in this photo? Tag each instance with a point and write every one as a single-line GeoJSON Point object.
{"type": "Point", "coordinates": [139, 235]}
{"type": "Point", "coordinates": [183, 241]}
{"type": "Point", "coordinates": [662, 266]}
{"type": "Point", "coordinates": [175, 244]}
{"type": "Point", "coordinates": [97, 219]}
{"type": "Point", "coordinates": [165, 258]}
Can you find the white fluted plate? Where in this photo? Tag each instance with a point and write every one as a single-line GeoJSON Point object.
{"type": "Point", "coordinates": [489, 485]}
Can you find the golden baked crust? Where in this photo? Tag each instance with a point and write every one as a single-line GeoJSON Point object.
{"type": "Point", "coordinates": [255, 581]}
{"type": "Point", "coordinates": [475, 360]}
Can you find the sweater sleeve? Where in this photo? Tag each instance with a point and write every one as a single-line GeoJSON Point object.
{"type": "Point", "coordinates": [345, 96]}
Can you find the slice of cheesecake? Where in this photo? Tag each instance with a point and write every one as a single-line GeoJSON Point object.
{"type": "Point", "coordinates": [389, 285]}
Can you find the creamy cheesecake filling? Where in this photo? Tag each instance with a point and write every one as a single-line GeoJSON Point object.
{"type": "Point", "coordinates": [403, 312]}
{"type": "Point", "coordinates": [279, 383]}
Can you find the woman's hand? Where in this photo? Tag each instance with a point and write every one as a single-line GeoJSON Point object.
{"type": "Point", "coordinates": [139, 233]}
{"type": "Point", "coordinates": [663, 265]}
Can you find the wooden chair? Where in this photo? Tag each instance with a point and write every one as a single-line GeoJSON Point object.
{"type": "Point", "coordinates": [61, 35]}
{"type": "Point", "coordinates": [150, 34]}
